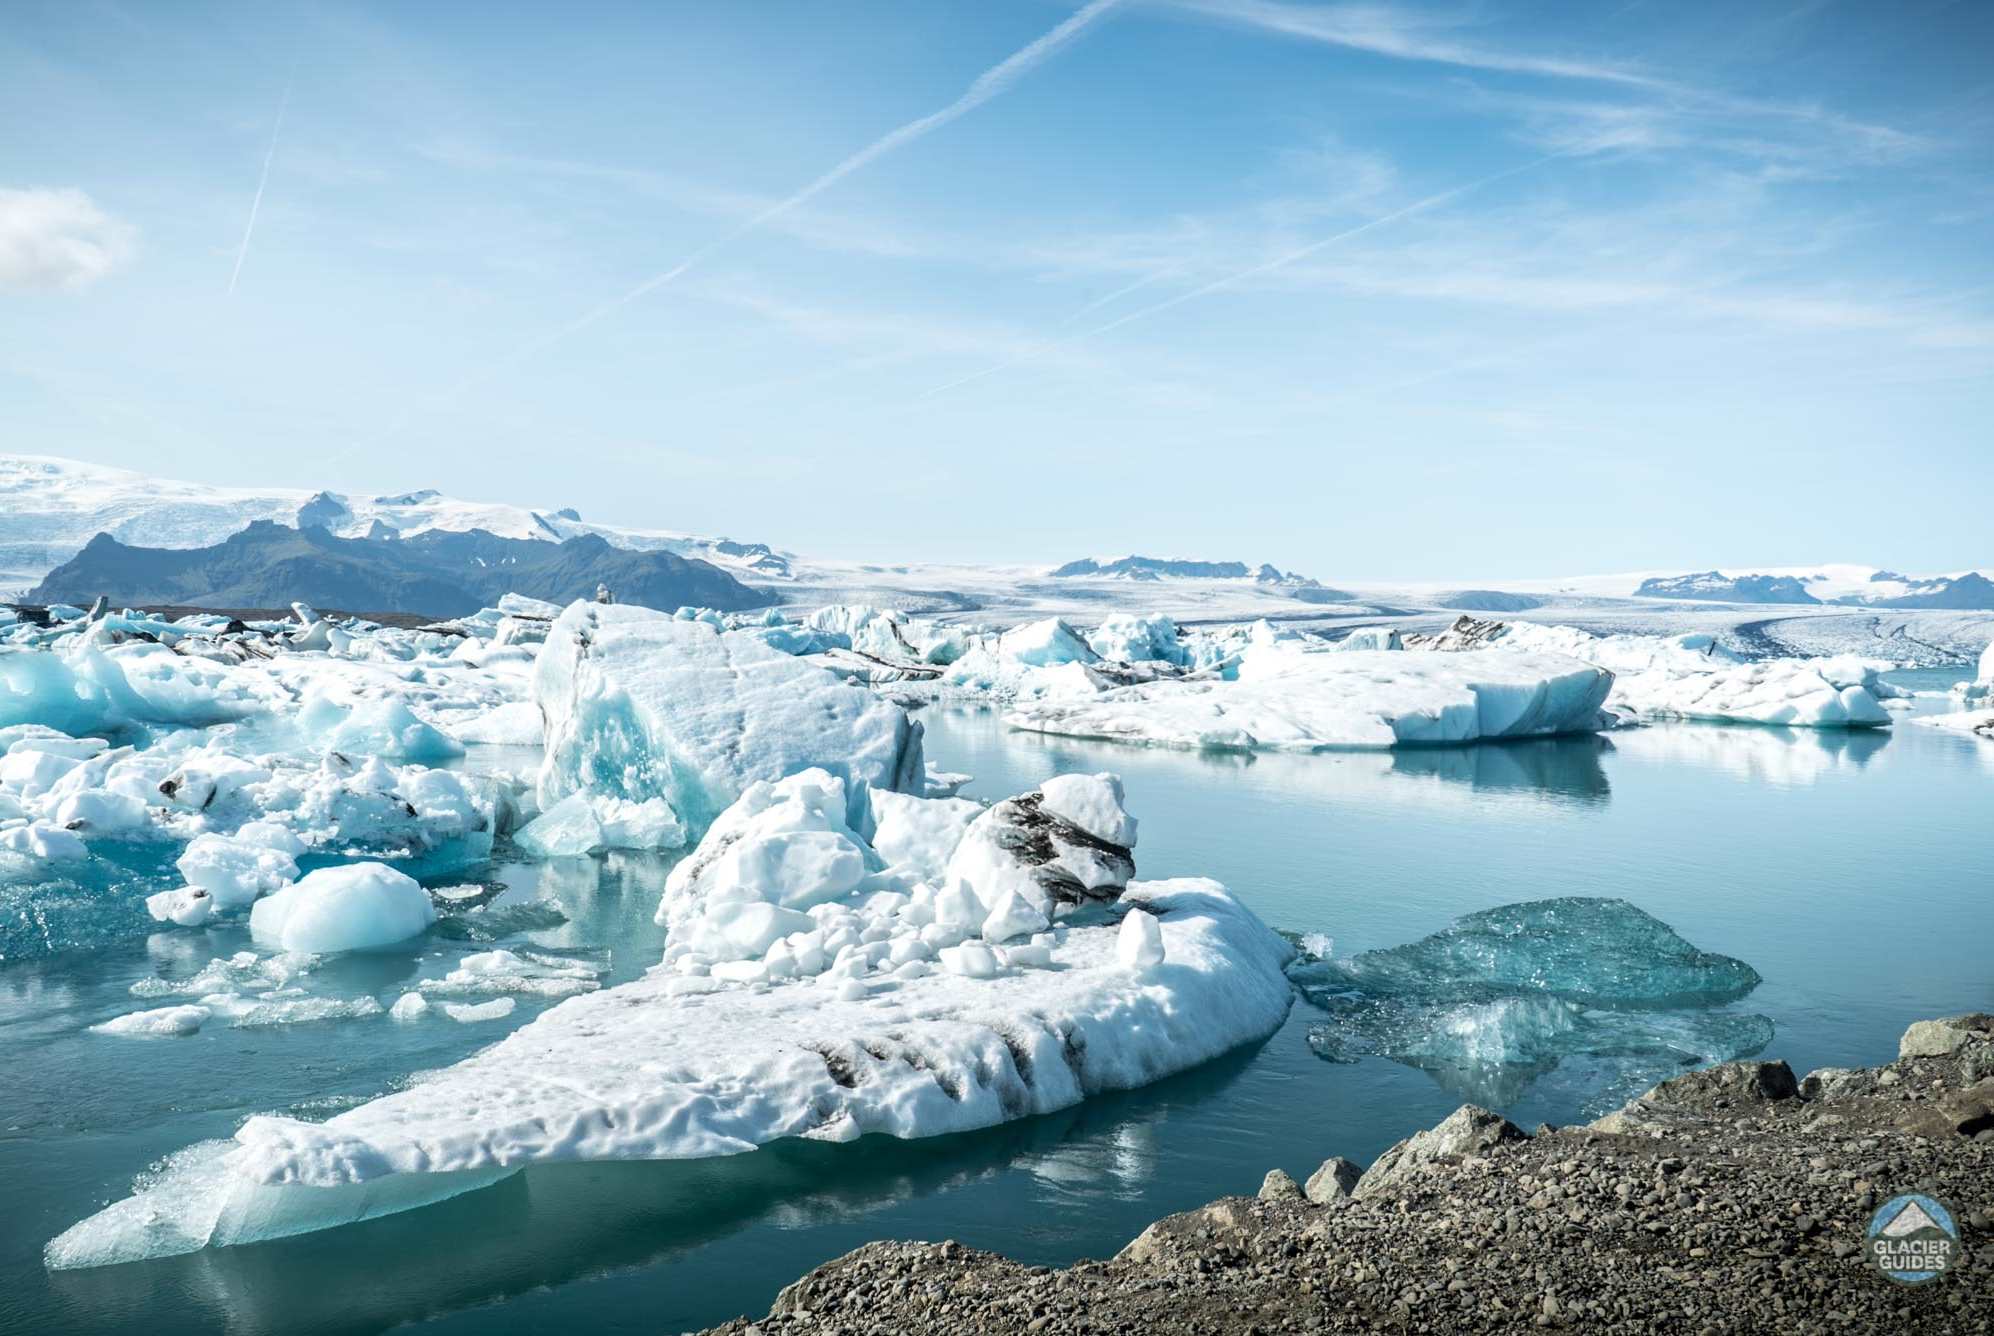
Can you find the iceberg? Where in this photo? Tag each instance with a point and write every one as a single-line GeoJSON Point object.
{"type": "Point", "coordinates": [1693, 677]}
{"type": "Point", "coordinates": [1502, 998]}
{"type": "Point", "coordinates": [1593, 951]}
{"type": "Point", "coordinates": [810, 987]}
{"type": "Point", "coordinates": [1289, 697]}
{"type": "Point", "coordinates": [639, 705]}
{"type": "Point", "coordinates": [1130, 638]}
{"type": "Point", "coordinates": [357, 907]}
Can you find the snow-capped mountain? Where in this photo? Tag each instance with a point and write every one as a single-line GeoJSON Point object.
{"type": "Point", "coordinates": [1840, 584]}
{"type": "Point", "coordinates": [1867, 586]}
{"type": "Point", "coordinates": [1174, 568]}
{"type": "Point", "coordinates": [50, 508]}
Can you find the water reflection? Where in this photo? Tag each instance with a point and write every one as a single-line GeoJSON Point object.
{"type": "Point", "coordinates": [1552, 772]}
{"type": "Point", "coordinates": [1557, 768]}
{"type": "Point", "coordinates": [1784, 757]}
{"type": "Point", "coordinates": [553, 1224]}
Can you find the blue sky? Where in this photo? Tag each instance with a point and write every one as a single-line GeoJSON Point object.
{"type": "Point", "coordinates": [1418, 291]}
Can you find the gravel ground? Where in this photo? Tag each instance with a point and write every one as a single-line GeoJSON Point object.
{"type": "Point", "coordinates": [1732, 1199]}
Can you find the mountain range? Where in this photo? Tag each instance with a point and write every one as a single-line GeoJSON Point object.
{"type": "Point", "coordinates": [436, 573]}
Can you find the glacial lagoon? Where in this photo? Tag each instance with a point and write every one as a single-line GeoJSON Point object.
{"type": "Point", "coordinates": [1849, 870]}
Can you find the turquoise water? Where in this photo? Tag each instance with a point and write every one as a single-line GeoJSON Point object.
{"type": "Point", "coordinates": [1852, 871]}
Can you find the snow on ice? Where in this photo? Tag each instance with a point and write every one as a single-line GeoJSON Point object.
{"type": "Point", "coordinates": [812, 986]}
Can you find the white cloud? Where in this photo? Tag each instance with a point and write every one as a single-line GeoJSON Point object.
{"type": "Point", "coordinates": [58, 239]}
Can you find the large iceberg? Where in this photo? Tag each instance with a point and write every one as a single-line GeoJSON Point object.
{"type": "Point", "coordinates": [639, 706]}
{"type": "Point", "coordinates": [811, 988]}
{"type": "Point", "coordinates": [1503, 998]}
{"type": "Point", "coordinates": [1290, 697]}
{"type": "Point", "coordinates": [1693, 677]}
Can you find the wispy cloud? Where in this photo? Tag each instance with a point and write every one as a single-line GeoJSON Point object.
{"type": "Point", "coordinates": [262, 180]}
{"type": "Point", "coordinates": [1238, 276]}
{"type": "Point", "coordinates": [1405, 34]}
{"type": "Point", "coordinates": [991, 83]}
{"type": "Point", "coordinates": [58, 239]}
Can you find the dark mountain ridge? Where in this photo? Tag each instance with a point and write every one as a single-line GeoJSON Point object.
{"type": "Point", "coordinates": [435, 573]}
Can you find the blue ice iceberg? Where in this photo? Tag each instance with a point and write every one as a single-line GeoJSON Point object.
{"type": "Point", "coordinates": [1610, 998]}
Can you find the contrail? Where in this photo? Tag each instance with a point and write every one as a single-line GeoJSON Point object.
{"type": "Point", "coordinates": [1252, 271]}
{"type": "Point", "coordinates": [986, 86]}
{"type": "Point", "coordinates": [1282, 261]}
{"type": "Point", "coordinates": [242, 251]}
{"type": "Point", "coordinates": [1047, 345]}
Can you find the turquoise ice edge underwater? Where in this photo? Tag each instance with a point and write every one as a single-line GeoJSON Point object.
{"type": "Point", "coordinates": [1850, 870]}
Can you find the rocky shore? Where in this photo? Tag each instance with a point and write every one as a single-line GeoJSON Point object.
{"type": "Point", "coordinates": [1732, 1199]}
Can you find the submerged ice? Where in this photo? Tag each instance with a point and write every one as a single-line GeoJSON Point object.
{"type": "Point", "coordinates": [1504, 998]}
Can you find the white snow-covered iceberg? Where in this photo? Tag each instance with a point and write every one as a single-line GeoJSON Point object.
{"type": "Point", "coordinates": [1693, 677]}
{"type": "Point", "coordinates": [640, 705]}
{"type": "Point", "coordinates": [867, 1010]}
{"type": "Point", "coordinates": [1291, 697]}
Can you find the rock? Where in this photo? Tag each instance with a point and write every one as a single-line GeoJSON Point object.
{"type": "Point", "coordinates": [1468, 1130]}
{"type": "Point", "coordinates": [1942, 1038]}
{"type": "Point", "coordinates": [1334, 1181]}
{"type": "Point", "coordinates": [1754, 1081]}
{"type": "Point", "coordinates": [1279, 1186]}
{"type": "Point", "coordinates": [1830, 1083]}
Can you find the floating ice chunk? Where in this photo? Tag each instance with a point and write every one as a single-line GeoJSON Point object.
{"type": "Point", "coordinates": [1045, 644]}
{"type": "Point", "coordinates": [390, 730]}
{"type": "Point", "coordinates": [33, 768]}
{"type": "Point", "coordinates": [502, 971]}
{"type": "Point", "coordinates": [358, 907]}
{"type": "Point", "coordinates": [161, 1021]}
{"type": "Point", "coordinates": [1495, 1003]}
{"type": "Point", "coordinates": [470, 1013]}
{"type": "Point", "coordinates": [270, 835]}
{"type": "Point", "coordinates": [1291, 698]}
{"type": "Point", "coordinates": [1800, 693]}
{"type": "Point", "coordinates": [45, 841]}
{"type": "Point", "coordinates": [95, 812]}
{"type": "Point", "coordinates": [1139, 943]}
{"type": "Point", "coordinates": [189, 907]}
{"type": "Point", "coordinates": [234, 871]}
{"type": "Point", "coordinates": [1598, 952]}
{"type": "Point", "coordinates": [288, 1006]}
{"type": "Point", "coordinates": [409, 1007]}
{"type": "Point", "coordinates": [639, 705]}
{"type": "Point", "coordinates": [671, 1067]}
{"type": "Point", "coordinates": [1093, 803]}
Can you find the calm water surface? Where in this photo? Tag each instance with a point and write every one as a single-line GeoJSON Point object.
{"type": "Point", "coordinates": [1853, 871]}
